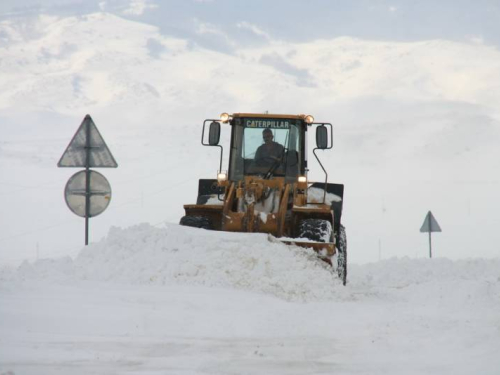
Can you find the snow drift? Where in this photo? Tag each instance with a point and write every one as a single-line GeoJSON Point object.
{"type": "Point", "coordinates": [175, 255]}
{"type": "Point", "coordinates": [144, 254]}
{"type": "Point", "coordinates": [183, 300]}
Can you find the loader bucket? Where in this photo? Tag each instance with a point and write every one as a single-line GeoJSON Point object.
{"type": "Point", "coordinates": [325, 250]}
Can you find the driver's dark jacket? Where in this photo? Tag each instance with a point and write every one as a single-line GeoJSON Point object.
{"type": "Point", "coordinates": [271, 150]}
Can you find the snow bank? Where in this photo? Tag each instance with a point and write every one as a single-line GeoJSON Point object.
{"type": "Point", "coordinates": [425, 282]}
{"type": "Point", "coordinates": [403, 272]}
{"type": "Point", "coordinates": [176, 255]}
{"type": "Point", "coordinates": [144, 254]}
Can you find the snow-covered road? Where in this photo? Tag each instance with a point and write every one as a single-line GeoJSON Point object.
{"type": "Point", "coordinates": [217, 305]}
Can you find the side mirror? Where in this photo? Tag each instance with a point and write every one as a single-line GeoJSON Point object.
{"type": "Point", "coordinates": [322, 137]}
{"type": "Point", "coordinates": [214, 133]}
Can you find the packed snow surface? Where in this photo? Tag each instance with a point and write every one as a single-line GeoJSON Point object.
{"type": "Point", "coordinates": [144, 254]}
{"type": "Point", "coordinates": [175, 300]}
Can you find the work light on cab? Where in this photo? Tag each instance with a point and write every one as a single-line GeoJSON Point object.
{"type": "Point", "coordinates": [309, 119]}
{"type": "Point", "coordinates": [224, 117]}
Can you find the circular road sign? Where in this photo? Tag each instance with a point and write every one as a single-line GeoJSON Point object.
{"type": "Point", "coordinates": [76, 191]}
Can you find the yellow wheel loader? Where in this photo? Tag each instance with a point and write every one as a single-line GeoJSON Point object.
{"type": "Point", "coordinates": [265, 188]}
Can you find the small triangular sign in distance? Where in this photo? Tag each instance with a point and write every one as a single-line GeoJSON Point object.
{"type": "Point", "coordinates": [430, 224]}
{"type": "Point", "coordinates": [87, 149]}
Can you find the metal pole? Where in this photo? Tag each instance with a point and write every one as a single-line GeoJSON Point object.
{"type": "Point", "coordinates": [430, 241]}
{"type": "Point", "coordinates": [87, 186]}
{"type": "Point", "coordinates": [87, 204]}
{"type": "Point", "coordinates": [430, 246]}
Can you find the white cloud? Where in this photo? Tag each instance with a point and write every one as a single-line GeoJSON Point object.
{"type": "Point", "coordinates": [204, 28]}
{"type": "Point", "coordinates": [254, 29]}
{"type": "Point", "coordinates": [137, 7]}
{"type": "Point", "coordinates": [476, 39]}
{"type": "Point", "coordinates": [208, 28]}
{"type": "Point", "coordinates": [393, 9]}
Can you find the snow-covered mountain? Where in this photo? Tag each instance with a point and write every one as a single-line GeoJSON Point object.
{"type": "Point", "coordinates": [416, 127]}
{"type": "Point", "coordinates": [100, 59]}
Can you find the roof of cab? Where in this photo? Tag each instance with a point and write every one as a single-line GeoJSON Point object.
{"type": "Point", "coordinates": [268, 115]}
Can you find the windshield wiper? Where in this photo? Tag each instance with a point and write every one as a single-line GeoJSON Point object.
{"type": "Point", "coordinates": [275, 166]}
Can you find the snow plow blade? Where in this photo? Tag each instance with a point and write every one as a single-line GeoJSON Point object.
{"type": "Point", "coordinates": [325, 250]}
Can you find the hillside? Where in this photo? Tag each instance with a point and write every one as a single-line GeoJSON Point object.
{"type": "Point", "coordinates": [416, 127]}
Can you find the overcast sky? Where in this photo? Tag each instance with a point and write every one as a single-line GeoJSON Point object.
{"type": "Point", "coordinates": [220, 24]}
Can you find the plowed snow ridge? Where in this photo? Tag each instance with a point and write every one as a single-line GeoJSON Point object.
{"type": "Point", "coordinates": [144, 254]}
{"type": "Point", "coordinates": [172, 255]}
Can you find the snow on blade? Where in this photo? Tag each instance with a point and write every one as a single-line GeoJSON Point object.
{"type": "Point", "coordinates": [317, 195]}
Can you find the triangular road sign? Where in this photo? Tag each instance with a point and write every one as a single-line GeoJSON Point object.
{"type": "Point", "coordinates": [430, 224]}
{"type": "Point", "coordinates": [87, 149]}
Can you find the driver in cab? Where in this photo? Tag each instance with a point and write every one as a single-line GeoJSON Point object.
{"type": "Point", "coordinates": [270, 152]}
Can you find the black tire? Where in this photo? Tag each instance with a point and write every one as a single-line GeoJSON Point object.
{"type": "Point", "coordinates": [196, 222]}
{"type": "Point", "coordinates": [316, 230]}
{"type": "Point", "coordinates": [342, 254]}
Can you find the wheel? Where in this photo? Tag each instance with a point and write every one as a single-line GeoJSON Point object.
{"type": "Point", "coordinates": [342, 254]}
{"type": "Point", "coordinates": [196, 222]}
{"type": "Point", "coordinates": [316, 230]}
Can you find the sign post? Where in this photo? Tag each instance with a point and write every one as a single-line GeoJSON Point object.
{"type": "Point", "coordinates": [87, 192]}
{"type": "Point", "coordinates": [430, 225]}
{"type": "Point", "coordinates": [87, 185]}
{"type": "Point", "coordinates": [87, 195]}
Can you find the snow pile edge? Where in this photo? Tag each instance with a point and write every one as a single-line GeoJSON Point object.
{"type": "Point", "coordinates": [144, 254]}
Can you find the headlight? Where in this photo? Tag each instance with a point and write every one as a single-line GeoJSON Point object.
{"type": "Point", "coordinates": [221, 177]}
{"type": "Point", "coordinates": [309, 119]}
{"type": "Point", "coordinates": [224, 117]}
{"type": "Point", "coordinates": [302, 183]}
